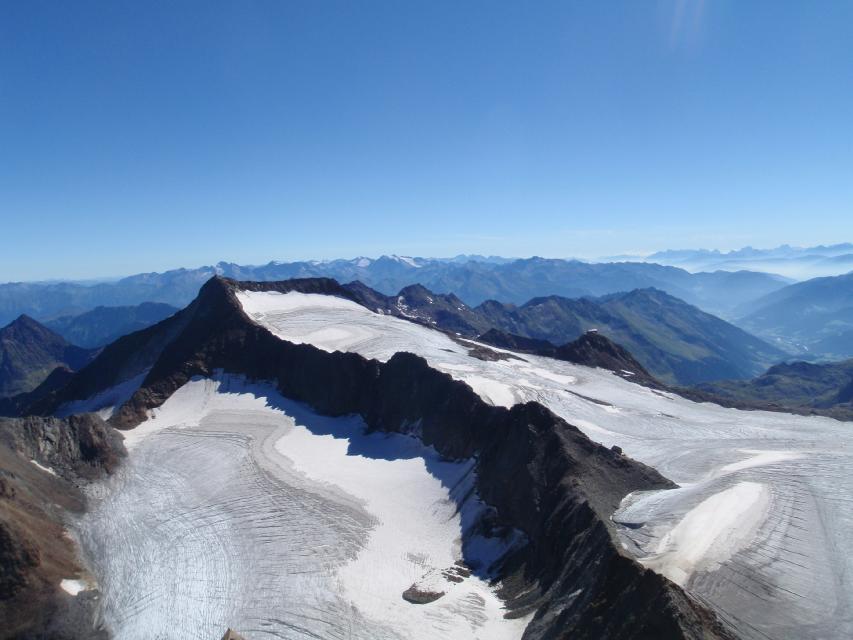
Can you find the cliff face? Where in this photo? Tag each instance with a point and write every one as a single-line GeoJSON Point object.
{"type": "Point", "coordinates": [542, 475]}
{"type": "Point", "coordinates": [35, 553]}
{"type": "Point", "coordinates": [81, 445]}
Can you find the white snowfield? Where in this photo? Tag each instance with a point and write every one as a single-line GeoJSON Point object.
{"type": "Point", "coordinates": [762, 525]}
{"type": "Point", "coordinates": [73, 586]}
{"type": "Point", "coordinates": [105, 402]}
{"type": "Point", "coordinates": [238, 508]}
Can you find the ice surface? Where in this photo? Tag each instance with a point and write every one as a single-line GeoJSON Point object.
{"type": "Point", "coordinates": [759, 458]}
{"type": "Point", "coordinates": [242, 509]}
{"type": "Point", "coordinates": [780, 569]}
{"type": "Point", "coordinates": [43, 468]}
{"type": "Point", "coordinates": [712, 532]}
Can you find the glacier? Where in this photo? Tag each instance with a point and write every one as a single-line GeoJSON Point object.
{"type": "Point", "coordinates": [760, 525]}
{"type": "Point", "coordinates": [239, 508]}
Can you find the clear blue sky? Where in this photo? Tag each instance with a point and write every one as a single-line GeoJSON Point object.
{"type": "Point", "coordinates": [140, 136]}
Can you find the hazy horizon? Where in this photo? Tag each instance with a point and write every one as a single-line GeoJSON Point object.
{"type": "Point", "coordinates": [639, 257]}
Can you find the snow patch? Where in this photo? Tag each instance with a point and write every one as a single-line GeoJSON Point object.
{"type": "Point", "coordinates": [187, 407]}
{"type": "Point", "coordinates": [711, 533]}
{"type": "Point", "coordinates": [73, 586]}
{"type": "Point", "coordinates": [759, 459]}
{"type": "Point", "coordinates": [550, 375]}
{"type": "Point", "coordinates": [417, 537]}
{"type": "Point", "coordinates": [492, 391]}
{"type": "Point", "coordinates": [407, 260]}
{"type": "Point", "coordinates": [43, 468]}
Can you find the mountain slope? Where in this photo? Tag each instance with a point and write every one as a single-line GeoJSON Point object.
{"type": "Point", "coordinates": [816, 314]}
{"type": "Point", "coordinates": [674, 341]}
{"type": "Point", "coordinates": [29, 352]}
{"type": "Point", "coordinates": [681, 343]}
{"type": "Point", "coordinates": [103, 325]}
{"type": "Point", "coordinates": [825, 389]}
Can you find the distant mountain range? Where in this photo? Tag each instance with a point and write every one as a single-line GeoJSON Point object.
{"type": "Point", "coordinates": [103, 325]}
{"type": "Point", "coordinates": [676, 342]}
{"type": "Point", "coordinates": [473, 278]}
{"type": "Point", "coordinates": [655, 337]}
{"type": "Point", "coordinates": [802, 387]}
{"type": "Point", "coordinates": [29, 352]}
{"type": "Point", "coordinates": [799, 263]}
{"type": "Point", "coordinates": [814, 317]}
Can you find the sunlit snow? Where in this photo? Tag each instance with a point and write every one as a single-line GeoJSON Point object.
{"type": "Point", "coordinates": [762, 525]}
{"type": "Point", "coordinates": [238, 508]}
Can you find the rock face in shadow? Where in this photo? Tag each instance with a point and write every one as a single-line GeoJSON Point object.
{"type": "Point", "coordinates": [35, 553]}
{"type": "Point", "coordinates": [542, 475]}
{"type": "Point", "coordinates": [592, 349]}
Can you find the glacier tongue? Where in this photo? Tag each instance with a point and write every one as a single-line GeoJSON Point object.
{"type": "Point", "coordinates": [238, 508]}
{"type": "Point", "coordinates": [761, 527]}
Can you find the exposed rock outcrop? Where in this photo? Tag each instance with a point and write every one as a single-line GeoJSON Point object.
{"type": "Point", "coordinates": [592, 349]}
{"type": "Point", "coordinates": [42, 462]}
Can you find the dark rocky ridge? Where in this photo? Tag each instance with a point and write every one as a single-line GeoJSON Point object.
{"type": "Point", "coordinates": [35, 555]}
{"type": "Point", "coordinates": [127, 357]}
{"type": "Point", "coordinates": [592, 349]}
{"type": "Point", "coordinates": [542, 475]}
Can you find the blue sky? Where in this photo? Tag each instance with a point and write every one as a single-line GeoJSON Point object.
{"type": "Point", "coordinates": [140, 136]}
